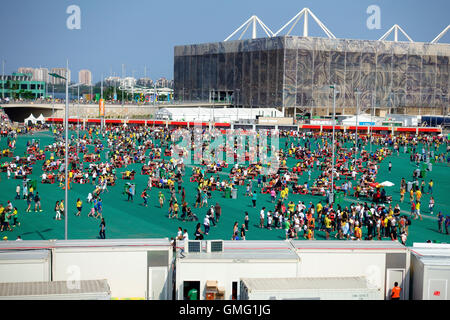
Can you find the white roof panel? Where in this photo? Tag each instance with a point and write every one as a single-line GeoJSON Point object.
{"type": "Point", "coordinates": [52, 288]}
{"type": "Point", "coordinates": [248, 250]}
{"type": "Point", "coordinates": [24, 255]}
{"type": "Point", "coordinates": [350, 245]}
{"type": "Point", "coordinates": [38, 245]}
{"type": "Point", "coordinates": [289, 284]}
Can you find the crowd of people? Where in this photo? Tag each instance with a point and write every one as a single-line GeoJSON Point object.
{"type": "Point", "coordinates": [98, 157]}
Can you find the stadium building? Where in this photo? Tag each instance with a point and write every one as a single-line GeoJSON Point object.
{"type": "Point", "coordinates": [294, 73]}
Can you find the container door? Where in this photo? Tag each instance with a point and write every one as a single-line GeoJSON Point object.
{"type": "Point", "coordinates": [157, 277]}
{"type": "Point", "coordinates": [437, 289]}
{"type": "Point", "coordinates": [392, 276]}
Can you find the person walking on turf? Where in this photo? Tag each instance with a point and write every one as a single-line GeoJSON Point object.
{"type": "Point", "coordinates": [161, 198]}
{"type": "Point", "coordinates": [17, 192]}
{"type": "Point", "coordinates": [37, 202]}
{"type": "Point", "coordinates": [79, 206]}
{"type": "Point", "coordinates": [57, 212]}
{"type": "Point", "coordinates": [102, 229]}
{"type": "Point", "coordinates": [440, 218]}
{"type": "Point", "coordinates": [254, 197]}
{"type": "Point", "coordinates": [431, 204]}
{"type": "Point", "coordinates": [61, 208]}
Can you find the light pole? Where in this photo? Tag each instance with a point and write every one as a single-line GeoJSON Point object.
{"type": "Point", "coordinates": [358, 93]}
{"type": "Point", "coordinates": [237, 104]}
{"type": "Point", "coordinates": [78, 107]}
{"type": "Point", "coordinates": [53, 104]}
{"type": "Point", "coordinates": [3, 79]}
{"type": "Point", "coordinates": [101, 97]}
{"type": "Point", "coordinates": [331, 200]}
{"type": "Point", "coordinates": [213, 110]}
{"type": "Point", "coordinates": [66, 151]}
{"type": "Point", "coordinates": [371, 119]}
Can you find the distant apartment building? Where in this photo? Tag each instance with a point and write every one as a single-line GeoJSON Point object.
{"type": "Point", "coordinates": [162, 83]}
{"type": "Point", "coordinates": [112, 81]}
{"type": "Point", "coordinates": [128, 82]}
{"type": "Point", "coordinates": [85, 77]}
{"type": "Point", "coordinates": [25, 70]}
{"type": "Point", "coordinates": [61, 72]}
{"type": "Point", "coordinates": [41, 74]}
{"type": "Point", "coordinates": [145, 82]}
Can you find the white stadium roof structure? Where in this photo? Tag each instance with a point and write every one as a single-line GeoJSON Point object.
{"type": "Point", "coordinates": [306, 13]}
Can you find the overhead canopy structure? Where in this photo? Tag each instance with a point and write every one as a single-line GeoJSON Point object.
{"type": "Point", "coordinates": [226, 115]}
{"type": "Point", "coordinates": [31, 119]}
{"type": "Point", "coordinates": [395, 28]}
{"type": "Point", "coordinates": [305, 13]}
{"type": "Point", "coordinates": [254, 21]}
{"type": "Point", "coordinates": [440, 35]}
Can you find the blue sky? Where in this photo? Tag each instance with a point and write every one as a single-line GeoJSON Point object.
{"type": "Point", "coordinates": [141, 33]}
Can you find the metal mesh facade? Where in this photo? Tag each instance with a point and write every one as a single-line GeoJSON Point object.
{"type": "Point", "coordinates": [288, 72]}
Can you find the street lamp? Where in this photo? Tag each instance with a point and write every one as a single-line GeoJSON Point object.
{"type": "Point", "coordinates": [3, 79]}
{"type": "Point", "coordinates": [331, 199]}
{"type": "Point", "coordinates": [371, 119]}
{"type": "Point", "coordinates": [358, 93]}
{"type": "Point", "coordinates": [66, 151]}
{"type": "Point", "coordinates": [77, 85]}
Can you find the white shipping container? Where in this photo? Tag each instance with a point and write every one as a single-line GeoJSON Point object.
{"type": "Point", "coordinates": [345, 288]}
{"type": "Point", "coordinates": [430, 268]}
{"type": "Point", "coordinates": [134, 268]}
{"type": "Point", "coordinates": [25, 266]}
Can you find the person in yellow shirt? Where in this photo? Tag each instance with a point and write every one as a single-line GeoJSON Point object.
{"type": "Point", "coordinates": [286, 191]}
{"type": "Point", "coordinates": [418, 210]}
{"type": "Point", "coordinates": [291, 207]}
{"type": "Point", "coordinates": [402, 194]}
{"type": "Point", "coordinates": [430, 187]}
{"type": "Point", "coordinates": [175, 210]}
{"type": "Point", "coordinates": [319, 208]}
{"type": "Point", "coordinates": [327, 223]}
{"type": "Point", "coordinates": [282, 194]}
{"type": "Point", "coordinates": [79, 207]}
{"type": "Point", "coordinates": [358, 233]}
{"type": "Point", "coordinates": [418, 195]}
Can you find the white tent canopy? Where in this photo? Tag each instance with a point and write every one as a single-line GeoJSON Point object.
{"type": "Point", "coordinates": [40, 119]}
{"type": "Point", "coordinates": [226, 115]}
{"type": "Point", "coordinates": [30, 118]}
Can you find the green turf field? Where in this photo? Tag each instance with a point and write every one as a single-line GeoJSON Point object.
{"type": "Point", "coordinates": [133, 220]}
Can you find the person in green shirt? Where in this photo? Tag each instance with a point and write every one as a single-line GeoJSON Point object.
{"type": "Point", "coordinates": [6, 223]}
{"type": "Point", "coordinates": [92, 211]}
{"type": "Point", "coordinates": [287, 225]}
{"type": "Point", "coordinates": [193, 294]}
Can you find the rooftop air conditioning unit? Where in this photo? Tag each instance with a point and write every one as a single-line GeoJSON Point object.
{"type": "Point", "coordinates": [214, 246]}
{"type": "Point", "coordinates": [193, 246]}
